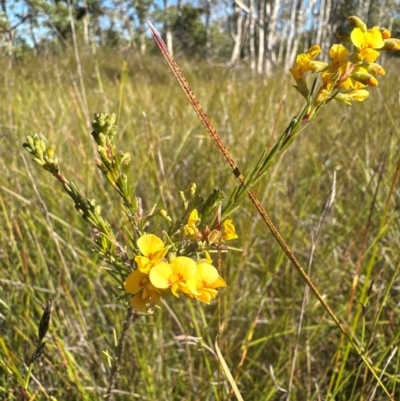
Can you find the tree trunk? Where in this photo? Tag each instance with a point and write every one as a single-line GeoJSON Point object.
{"type": "Point", "coordinates": [252, 37]}
{"type": "Point", "coordinates": [384, 12]}
{"type": "Point", "coordinates": [180, 24]}
{"type": "Point", "coordinates": [272, 12]}
{"type": "Point", "coordinates": [291, 33]}
{"type": "Point", "coordinates": [321, 21]}
{"type": "Point", "coordinates": [329, 30]}
{"type": "Point", "coordinates": [167, 29]}
{"type": "Point", "coordinates": [142, 38]}
{"type": "Point", "coordinates": [300, 18]}
{"type": "Point", "coordinates": [237, 35]}
{"type": "Point", "coordinates": [85, 21]}
{"type": "Point", "coordinates": [363, 9]}
{"type": "Point", "coordinates": [261, 37]}
{"type": "Point", "coordinates": [208, 31]}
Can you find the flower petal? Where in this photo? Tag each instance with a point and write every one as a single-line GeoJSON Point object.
{"type": "Point", "coordinates": [357, 37]}
{"type": "Point", "coordinates": [220, 282]}
{"type": "Point", "coordinates": [374, 38]}
{"type": "Point", "coordinates": [184, 268]}
{"type": "Point", "coordinates": [135, 281]}
{"type": "Point", "coordinates": [161, 275]}
{"type": "Point", "coordinates": [206, 274]}
{"type": "Point", "coordinates": [148, 244]}
{"type": "Point", "coordinates": [228, 230]}
{"type": "Point", "coordinates": [138, 303]}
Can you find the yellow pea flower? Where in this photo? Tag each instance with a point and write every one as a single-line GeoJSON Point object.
{"type": "Point", "coordinates": [338, 53]}
{"type": "Point", "coordinates": [143, 303]}
{"type": "Point", "coordinates": [153, 250]}
{"type": "Point", "coordinates": [174, 274]}
{"type": "Point", "coordinates": [202, 285]}
{"type": "Point", "coordinates": [367, 42]}
{"type": "Point", "coordinates": [304, 63]}
{"type": "Point", "coordinates": [138, 283]}
{"type": "Point", "coordinates": [190, 229]}
{"type": "Point", "coordinates": [228, 230]}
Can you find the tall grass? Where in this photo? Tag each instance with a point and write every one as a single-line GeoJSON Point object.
{"type": "Point", "coordinates": [45, 247]}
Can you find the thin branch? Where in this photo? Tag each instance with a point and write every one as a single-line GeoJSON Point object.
{"type": "Point", "coordinates": [131, 316]}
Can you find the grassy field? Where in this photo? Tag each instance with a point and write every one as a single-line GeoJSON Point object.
{"type": "Point", "coordinates": [45, 247]}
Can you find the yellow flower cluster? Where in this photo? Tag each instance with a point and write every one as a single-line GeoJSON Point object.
{"type": "Point", "coordinates": [159, 269]}
{"type": "Point", "coordinates": [347, 76]}
{"type": "Point", "coordinates": [157, 273]}
{"type": "Point", "coordinates": [191, 231]}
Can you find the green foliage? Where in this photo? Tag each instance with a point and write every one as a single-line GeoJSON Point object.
{"type": "Point", "coordinates": [189, 32]}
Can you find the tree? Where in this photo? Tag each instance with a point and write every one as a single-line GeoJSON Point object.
{"type": "Point", "coordinates": [237, 28]}
{"type": "Point", "coordinates": [142, 8]}
{"type": "Point", "coordinates": [190, 31]}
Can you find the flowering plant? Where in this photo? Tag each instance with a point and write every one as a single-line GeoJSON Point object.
{"type": "Point", "coordinates": [347, 76]}
{"type": "Point", "coordinates": [151, 267]}
{"type": "Point", "coordinates": [177, 260]}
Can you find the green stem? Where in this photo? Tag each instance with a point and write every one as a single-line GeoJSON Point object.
{"type": "Point", "coordinates": [28, 376]}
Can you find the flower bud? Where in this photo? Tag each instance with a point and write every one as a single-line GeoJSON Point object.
{"type": "Point", "coordinates": [358, 95]}
{"type": "Point", "coordinates": [391, 44]}
{"type": "Point", "coordinates": [193, 188]}
{"type": "Point", "coordinates": [386, 34]}
{"type": "Point", "coordinates": [322, 96]}
{"type": "Point", "coordinates": [182, 196]}
{"type": "Point", "coordinates": [375, 69]}
{"type": "Point", "coordinates": [50, 153]}
{"type": "Point", "coordinates": [38, 161]}
{"type": "Point", "coordinates": [365, 78]}
{"type": "Point", "coordinates": [357, 22]}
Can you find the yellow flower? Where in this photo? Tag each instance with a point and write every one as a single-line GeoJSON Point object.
{"type": "Point", "coordinates": [304, 63]}
{"type": "Point", "coordinates": [228, 230]}
{"type": "Point", "coordinates": [153, 250]}
{"type": "Point", "coordinates": [173, 275]}
{"type": "Point", "coordinates": [367, 42]}
{"type": "Point", "coordinates": [135, 282]}
{"type": "Point", "coordinates": [138, 283]}
{"type": "Point", "coordinates": [322, 96]}
{"type": "Point", "coordinates": [358, 95]}
{"type": "Point", "coordinates": [190, 229]}
{"type": "Point", "coordinates": [338, 53]}
{"type": "Point", "coordinates": [202, 285]}
{"type": "Point", "coordinates": [143, 303]}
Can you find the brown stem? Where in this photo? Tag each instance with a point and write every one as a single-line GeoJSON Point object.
{"type": "Point", "coordinates": [131, 316]}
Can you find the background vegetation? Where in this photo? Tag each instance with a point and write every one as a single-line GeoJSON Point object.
{"type": "Point", "coordinates": [262, 34]}
{"type": "Point", "coordinates": [45, 247]}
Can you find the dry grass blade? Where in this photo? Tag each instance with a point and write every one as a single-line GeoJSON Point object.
{"type": "Point", "coordinates": [227, 372]}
